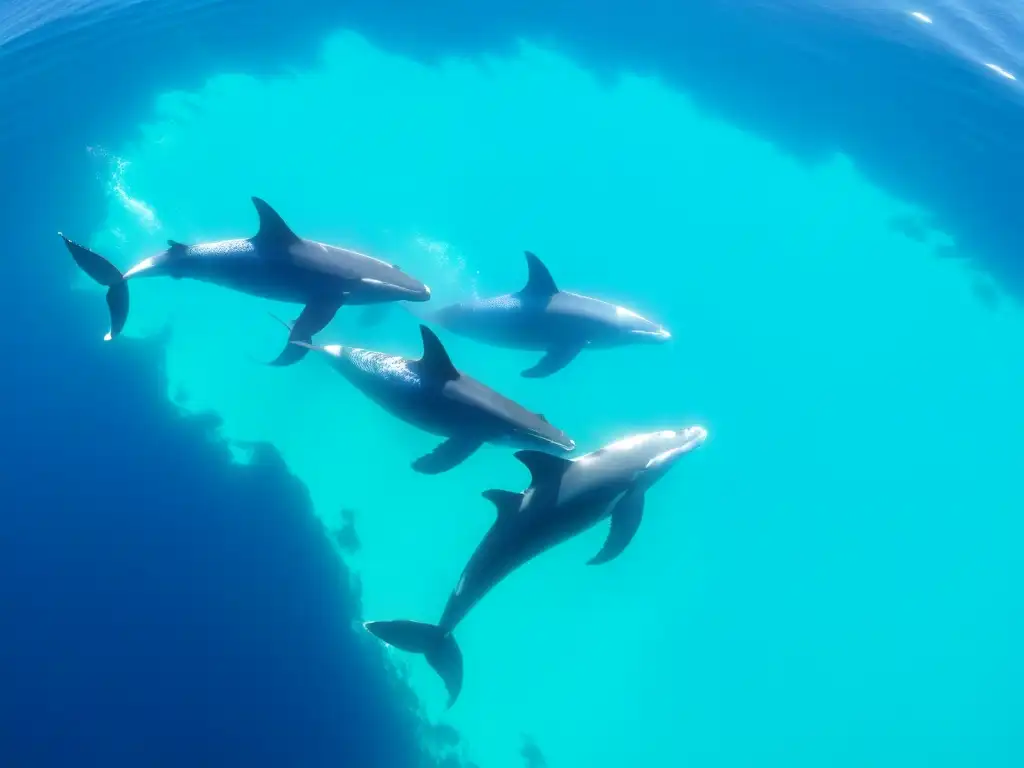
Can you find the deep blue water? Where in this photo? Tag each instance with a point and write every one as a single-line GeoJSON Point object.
{"type": "Point", "coordinates": [142, 623]}
{"type": "Point", "coordinates": [145, 626]}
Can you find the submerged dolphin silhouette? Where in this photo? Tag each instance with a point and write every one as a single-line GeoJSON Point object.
{"type": "Point", "coordinates": [565, 497]}
{"type": "Point", "coordinates": [542, 317]}
{"type": "Point", "coordinates": [274, 264]}
{"type": "Point", "coordinates": [430, 393]}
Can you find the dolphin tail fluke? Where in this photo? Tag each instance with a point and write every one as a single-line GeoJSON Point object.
{"type": "Point", "coordinates": [106, 274]}
{"type": "Point", "coordinates": [439, 648]}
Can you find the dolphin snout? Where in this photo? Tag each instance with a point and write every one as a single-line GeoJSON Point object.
{"type": "Point", "coordinates": [415, 291]}
{"type": "Point", "coordinates": [688, 439]}
{"type": "Point", "coordinates": [551, 439]}
{"type": "Point", "coordinates": [697, 434]}
{"type": "Point", "coordinates": [406, 292]}
{"type": "Point", "coordinates": [692, 437]}
{"type": "Point", "coordinates": [398, 285]}
{"type": "Point", "coordinates": [652, 333]}
{"type": "Point", "coordinates": [557, 439]}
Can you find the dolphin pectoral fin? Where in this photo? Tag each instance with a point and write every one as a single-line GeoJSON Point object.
{"type": "Point", "coordinates": [626, 517]}
{"type": "Point", "coordinates": [373, 315]}
{"type": "Point", "coordinates": [505, 502]}
{"type": "Point", "coordinates": [439, 648]}
{"type": "Point", "coordinates": [555, 360]}
{"type": "Point", "coordinates": [313, 319]}
{"type": "Point", "coordinates": [447, 455]}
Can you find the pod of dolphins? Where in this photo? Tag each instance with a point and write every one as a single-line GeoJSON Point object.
{"type": "Point", "coordinates": [565, 496]}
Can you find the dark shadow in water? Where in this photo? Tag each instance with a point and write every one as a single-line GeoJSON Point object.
{"type": "Point", "coordinates": [159, 605]}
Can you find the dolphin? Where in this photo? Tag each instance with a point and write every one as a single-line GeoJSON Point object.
{"type": "Point", "coordinates": [274, 264]}
{"type": "Point", "coordinates": [565, 497]}
{"type": "Point", "coordinates": [431, 394]}
{"type": "Point", "coordinates": [541, 317]}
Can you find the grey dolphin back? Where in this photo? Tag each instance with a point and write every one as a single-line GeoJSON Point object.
{"type": "Point", "coordinates": [505, 502]}
{"type": "Point", "coordinates": [540, 285]}
{"type": "Point", "coordinates": [545, 468]}
{"type": "Point", "coordinates": [436, 367]}
{"type": "Point", "coordinates": [273, 228]}
{"type": "Point", "coordinates": [539, 281]}
{"type": "Point", "coordinates": [434, 363]}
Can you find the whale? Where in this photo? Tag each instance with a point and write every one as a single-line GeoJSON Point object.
{"type": "Point", "coordinates": [430, 393]}
{"type": "Point", "coordinates": [541, 317]}
{"type": "Point", "coordinates": [275, 264]}
{"type": "Point", "coordinates": [565, 497]}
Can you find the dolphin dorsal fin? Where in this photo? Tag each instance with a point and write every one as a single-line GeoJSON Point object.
{"type": "Point", "coordinates": [505, 502]}
{"type": "Point", "coordinates": [544, 467]}
{"type": "Point", "coordinates": [174, 245]}
{"type": "Point", "coordinates": [539, 282]}
{"type": "Point", "coordinates": [435, 361]}
{"type": "Point", "coordinates": [272, 226]}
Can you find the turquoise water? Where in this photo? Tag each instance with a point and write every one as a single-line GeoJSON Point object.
{"type": "Point", "coordinates": [825, 582]}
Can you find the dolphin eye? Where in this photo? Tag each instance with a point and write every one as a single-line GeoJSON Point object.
{"type": "Point", "coordinates": [395, 266]}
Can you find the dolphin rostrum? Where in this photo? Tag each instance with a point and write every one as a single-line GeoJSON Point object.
{"type": "Point", "coordinates": [542, 317]}
{"type": "Point", "coordinates": [565, 497]}
{"type": "Point", "coordinates": [273, 264]}
{"type": "Point", "coordinates": [432, 394]}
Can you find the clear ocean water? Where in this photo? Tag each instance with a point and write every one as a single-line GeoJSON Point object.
{"type": "Point", "coordinates": [820, 201]}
